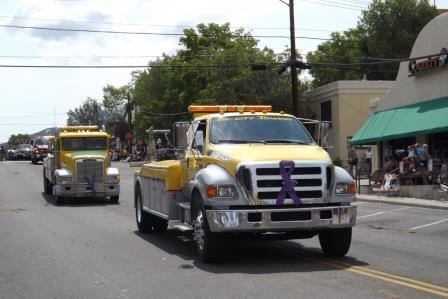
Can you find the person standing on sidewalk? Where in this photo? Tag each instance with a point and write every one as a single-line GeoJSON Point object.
{"type": "Point", "coordinates": [353, 161]}
{"type": "Point", "coordinates": [368, 159]}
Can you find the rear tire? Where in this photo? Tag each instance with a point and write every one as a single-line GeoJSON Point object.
{"type": "Point", "coordinates": [206, 242]}
{"type": "Point", "coordinates": [335, 242]}
{"type": "Point", "coordinates": [115, 199]}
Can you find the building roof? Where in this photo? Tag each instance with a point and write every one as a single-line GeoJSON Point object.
{"type": "Point", "coordinates": [350, 87]}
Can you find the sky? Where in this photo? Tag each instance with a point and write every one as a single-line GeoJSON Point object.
{"type": "Point", "coordinates": [32, 99]}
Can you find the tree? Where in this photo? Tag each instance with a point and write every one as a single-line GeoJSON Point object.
{"type": "Point", "coordinates": [88, 113]}
{"type": "Point", "coordinates": [387, 29]}
{"type": "Point", "coordinates": [18, 139]}
{"type": "Point", "coordinates": [114, 102]}
{"type": "Point", "coordinates": [162, 89]}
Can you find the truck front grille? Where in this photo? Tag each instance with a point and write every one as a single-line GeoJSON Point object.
{"type": "Point", "coordinates": [89, 169]}
{"type": "Point", "coordinates": [297, 171]}
{"type": "Point", "coordinates": [301, 194]}
{"type": "Point", "coordinates": [311, 181]}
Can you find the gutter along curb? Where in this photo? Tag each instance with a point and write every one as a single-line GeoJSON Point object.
{"type": "Point", "coordinates": [404, 201]}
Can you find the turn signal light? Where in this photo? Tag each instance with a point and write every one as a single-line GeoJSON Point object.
{"type": "Point", "coordinates": [234, 108]}
{"type": "Point", "coordinates": [211, 191]}
{"type": "Point", "coordinates": [352, 188]}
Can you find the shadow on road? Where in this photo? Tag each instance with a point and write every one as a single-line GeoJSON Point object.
{"type": "Point", "coordinates": [249, 256]}
{"type": "Point", "coordinates": [78, 202]}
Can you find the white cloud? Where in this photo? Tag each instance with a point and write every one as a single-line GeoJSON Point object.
{"type": "Point", "coordinates": [39, 90]}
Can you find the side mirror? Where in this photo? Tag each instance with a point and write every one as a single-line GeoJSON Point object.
{"type": "Point", "coordinates": [325, 134]}
{"type": "Point", "coordinates": [180, 135]}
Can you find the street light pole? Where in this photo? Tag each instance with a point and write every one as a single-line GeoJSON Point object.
{"type": "Point", "coordinates": [294, 83]}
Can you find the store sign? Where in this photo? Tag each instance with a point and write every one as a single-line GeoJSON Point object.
{"type": "Point", "coordinates": [427, 64]}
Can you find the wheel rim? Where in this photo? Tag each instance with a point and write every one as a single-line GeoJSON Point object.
{"type": "Point", "coordinates": [139, 210]}
{"type": "Point", "coordinates": [198, 233]}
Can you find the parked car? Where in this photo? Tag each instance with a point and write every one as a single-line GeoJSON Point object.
{"type": "Point", "coordinates": [24, 151]}
{"type": "Point", "coordinates": [11, 154]}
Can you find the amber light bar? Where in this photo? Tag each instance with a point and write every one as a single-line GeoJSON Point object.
{"type": "Point", "coordinates": [234, 108]}
{"type": "Point", "coordinates": [80, 128]}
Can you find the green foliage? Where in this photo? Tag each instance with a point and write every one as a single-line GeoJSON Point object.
{"type": "Point", "coordinates": [88, 113]}
{"type": "Point", "coordinates": [172, 90]}
{"type": "Point", "coordinates": [114, 102]}
{"type": "Point", "coordinates": [387, 29]}
{"type": "Point", "coordinates": [18, 139]}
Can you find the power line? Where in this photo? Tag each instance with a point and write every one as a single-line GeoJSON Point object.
{"type": "Point", "coordinates": [357, 2]}
{"type": "Point", "coordinates": [127, 66]}
{"type": "Point", "coordinates": [326, 4]}
{"type": "Point", "coordinates": [83, 57]}
{"type": "Point", "coordinates": [384, 61]}
{"type": "Point", "coordinates": [158, 25]}
{"type": "Point", "coordinates": [343, 4]}
{"type": "Point", "coordinates": [25, 124]}
{"type": "Point", "coordinates": [122, 56]}
{"type": "Point", "coordinates": [31, 116]}
{"type": "Point", "coordinates": [147, 33]}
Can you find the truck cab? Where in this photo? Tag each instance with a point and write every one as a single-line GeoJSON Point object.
{"type": "Point", "coordinates": [40, 149]}
{"type": "Point", "coordinates": [248, 170]}
{"type": "Point", "coordinates": [78, 165]}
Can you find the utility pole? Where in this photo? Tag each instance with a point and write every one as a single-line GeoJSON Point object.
{"type": "Point", "coordinates": [294, 83]}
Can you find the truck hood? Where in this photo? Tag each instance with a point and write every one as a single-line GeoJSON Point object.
{"type": "Point", "coordinates": [69, 157]}
{"type": "Point", "coordinates": [230, 155]}
{"type": "Point", "coordinates": [269, 152]}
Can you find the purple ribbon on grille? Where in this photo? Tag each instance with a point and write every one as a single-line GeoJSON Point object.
{"type": "Point", "coordinates": [286, 170]}
{"type": "Point", "coordinates": [91, 182]}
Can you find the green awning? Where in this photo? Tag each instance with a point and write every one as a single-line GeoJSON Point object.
{"type": "Point", "coordinates": [416, 119]}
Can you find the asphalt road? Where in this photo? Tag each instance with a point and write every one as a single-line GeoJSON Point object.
{"type": "Point", "coordinates": [91, 249]}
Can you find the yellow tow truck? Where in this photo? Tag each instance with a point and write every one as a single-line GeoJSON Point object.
{"type": "Point", "coordinates": [78, 165]}
{"type": "Point", "coordinates": [247, 170]}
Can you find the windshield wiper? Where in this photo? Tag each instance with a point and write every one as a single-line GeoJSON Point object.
{"type": "Point", "coordinates": [240, 141]}
{"type": "Point", "coordinates": [284, 141]}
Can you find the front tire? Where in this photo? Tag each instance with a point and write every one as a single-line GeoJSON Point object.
{"type": "Point", "coordinates": [115, 199]}
{"type": "Point", "coordinates": [59, 200]}
{"type": "Point", "coordinates": [206, 242]}
{"type": "Point", "coordinates": [48, 187]}
{"type": "Point", "coordinates": [335, 242]}
{"type": "Point", "coordinates": [142, 218]}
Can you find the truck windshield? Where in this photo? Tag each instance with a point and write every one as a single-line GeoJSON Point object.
{"type": "Point", "coordinates": [85, 143]}
{"type": "Point", "coordinates": [42, 142]}
{"type": "Point", "coordinates": [258, 129]}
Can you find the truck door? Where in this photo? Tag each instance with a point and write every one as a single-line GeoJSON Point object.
{"type": "Point", "coordinates": [195, 150]}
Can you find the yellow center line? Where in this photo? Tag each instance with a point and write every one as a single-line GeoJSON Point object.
{"type": "Point", "coordinates": [385, 278]}
{"type": "Point", "coordinates": [391, 278]}
{"type": "Point", "coordinates": [405, 279]}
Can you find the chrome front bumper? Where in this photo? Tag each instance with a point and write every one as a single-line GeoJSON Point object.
{"type": "Point", "coordinates": [280, 219]}
{"type": "Point", "coordinates": [83, 190]}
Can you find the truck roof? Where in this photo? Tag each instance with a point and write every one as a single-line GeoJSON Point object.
{"type": "Point", "coordinates": [83, 134]}
{"type": "Point", "coordinates": [201, 116]}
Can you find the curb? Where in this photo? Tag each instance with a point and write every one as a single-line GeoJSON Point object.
{"type": "Point", "coordinates": [393, 201]}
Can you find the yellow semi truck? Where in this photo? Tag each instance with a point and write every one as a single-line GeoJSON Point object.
{"type": "Point", "coordinates": [78, 165]}
{"type": "Point", "coordinates": [247, 170]}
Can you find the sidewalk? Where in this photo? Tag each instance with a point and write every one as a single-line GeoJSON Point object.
{"type": "Point", "coordinates": [405, 201]}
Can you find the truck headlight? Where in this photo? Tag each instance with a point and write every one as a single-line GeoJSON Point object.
{"type": "Point", "coordinates": [219, 191]}
{"type": "Point", "coordinates": [113, 175]}
{"type": "Point", "coordinates": [63, 176]}
{"type": "Point", "coordinates": [345, 188]}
